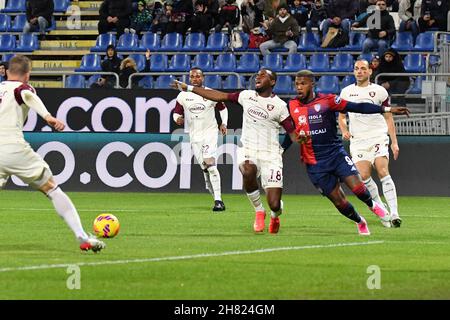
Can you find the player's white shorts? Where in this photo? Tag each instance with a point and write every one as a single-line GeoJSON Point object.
{"type": "Point", "coordinates": [205, 149]}
{"type": "Point", "coordinates": [369, 149]}
{"type": "Point", "coordinates": [22, 161]}
{"type": "Point", "coordinates": [269, 164]}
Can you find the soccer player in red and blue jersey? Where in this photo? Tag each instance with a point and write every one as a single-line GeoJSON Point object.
{"type": "Point", "coordinates": [322, 151]}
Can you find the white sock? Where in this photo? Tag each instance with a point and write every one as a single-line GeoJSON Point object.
{"type": "Point", "coordinates": [66, 210]}
{"type": "Point", "coordinates": [373, 190]}
{"type": "Point", "coordinates": [278, 213]}
{"type": "Point", "coordinates": [214, 177]}
{"type": "Point", "coordinates": [390, 194]}
{"type": "Point", "coordinates": [255, 199]}
{"type": "Point", "coordinates": [208, 183]}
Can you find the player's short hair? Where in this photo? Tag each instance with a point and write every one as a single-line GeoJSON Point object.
{"type": "Point", "coordinates": [305, 74]}
{"type": "Point", "coordinates": [363, 60]}
{"type": "Point", "coordinates": [272, 74]}
{"type": "Point", "coordinates": [19, 65]}
{"type": "Point", "coordinates": [196, 69]}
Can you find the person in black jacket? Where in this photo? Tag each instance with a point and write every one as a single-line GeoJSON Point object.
{"type": "Point", "coordinates": [128, 67]}
{"type": "Point", "coordinates": [114, 14]}
{"type": "Point", "coordinates": [433, 15]}
{"type": "Point", "coordinates": [39, 15]}
{"type": "Point", "coordinates": [110, 64]}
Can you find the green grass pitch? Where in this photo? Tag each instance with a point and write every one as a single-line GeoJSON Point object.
{"type": "Point", "coordinates": [163, 246]}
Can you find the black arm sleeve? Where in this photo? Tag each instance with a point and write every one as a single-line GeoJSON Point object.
{"type": "Point", "coordinates": [286, 142]}
{"type": "Point", "coordinates": [363, 107]}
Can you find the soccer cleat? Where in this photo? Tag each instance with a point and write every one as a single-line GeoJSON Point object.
{"type": "Point", "coordinates": [274, 225]}
{"type": "Point", "coordinates": [382, 213]}
{"type": "Point", "coordinates": [92, 244]}
{"type": "Point", "coordinates": [396, 222]}
{"type": "Point", "coordinates": [259, 224]}
{"type": "Point", "coordinates": [218, 206]}
{"type": "Point", "coordinates": [363, 229]}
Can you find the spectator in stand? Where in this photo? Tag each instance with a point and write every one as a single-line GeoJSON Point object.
{"type": "Point", "coordinates": [39, 16]}
{"type": "Point", "coordinates": [375, 66]}
{"type": "Point", "coordinates": [409, 13]}
{"type": "Point", "coordinates": [202, 20]}
{"type": "Point", "coordinates": [129, 67]}
{"type": "Point", "coordinates": [300, 10]}
{"type": "Point", "coordinates": [141, 19]}
{"type": "Point", "coordinates": [271, 8]}
{"type": "Point", "coordinates": [382, 37]}
{"type": "Point", "coordinates": [365, 7]}
{"type": "Point", "coordinates": [213, 9]}
{"type": "Point", "coordinates": [433, 15]}
{"type": "Point", "coordinates": [114, 14]}
{"type": "Point", "coordinates": [181, 15]}
{"type": "Point", "coordinates": [317, 17]}
{"type": "Point", "coordinates": [341, 13]}
{"type": "Point", "coordinates": [161, 16]}
{"type": "Point", "coordinates": [284, 30]}
{"type": "Point", "coordinates": [252, 14]}
{"type": "Point", "coordinates": [111, 63]}
{"type": "Point", "coordinates": [229, 16]}
{"type": "Point", "coordinates": [3, 68]}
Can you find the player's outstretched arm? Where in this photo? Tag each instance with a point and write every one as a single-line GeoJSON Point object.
{"type": "Point", "coordinates": [209, 94]}
{"type": "Point", "coordinates": [35, 103]}
{"type": "Point", "coordinates": [54, 123]}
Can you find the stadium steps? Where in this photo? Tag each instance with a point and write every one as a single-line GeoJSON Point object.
{"type": "Point", "coordinates": [66, 44]}
{"type": "Point", "coordinates": [55, 65]}
{"type": "Point", "coordinates": [46, 83]}
{"type": "Point", "coordinates": [88, 5]}
{"type": "Point", "coordinates": [85, 25]}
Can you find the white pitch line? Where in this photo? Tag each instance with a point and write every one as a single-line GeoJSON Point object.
{"type": "Point", "coordinates": [195, 256]}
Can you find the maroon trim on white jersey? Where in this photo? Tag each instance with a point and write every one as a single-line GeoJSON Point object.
{"type": "Point", "coordinates": [178, 108]}
{"type": "Point", "coordinates": [18, 91]}
{"type": "Point", "coordinates": [234, 97]}
{"type": "Point", "coordinates": [220, 106]}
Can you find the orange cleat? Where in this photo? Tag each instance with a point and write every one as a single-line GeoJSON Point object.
{"type": "Point", "coordinates": [259, 224]}
{"type": "Point", "coordinates": [274, 225]}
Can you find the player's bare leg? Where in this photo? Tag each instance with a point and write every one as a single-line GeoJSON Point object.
{"type": "Point", "coordinates": [389, 190]}
{"type": "Point", "coordinates": [214, 179]}
{"type": "Point", "coordinates": [365, 170]}
{"type": "Point", "coordinates": [276, 206]}
{"type": "Point", "coordinates": [66, 210]}
{"type": "Point", "coordinates": [249, 176]}
{"type": "Point", "coordinates": [355, 184]}
{"type": "Point", "coordinates": [341, 203]}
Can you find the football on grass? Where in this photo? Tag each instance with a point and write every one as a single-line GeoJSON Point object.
{"type": "Point", "coordinates": [106, 225]}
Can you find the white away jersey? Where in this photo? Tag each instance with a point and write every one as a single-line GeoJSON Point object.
{"type": "Point", "coordinates": [199, 114]}
{"type": "Point", "coordinates": [261, 120]}
{"type": "Point", "coordinates": [13, 112]}
{"type": "Point", "coordinates": [364, 126]}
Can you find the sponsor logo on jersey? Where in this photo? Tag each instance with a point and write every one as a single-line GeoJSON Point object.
{"type": "Point", "coordinates": [317, 107]}
{"type": "Point", "coordinates": [318, 131]}
{"type": "Point", "coordinates": [257, 113]}
{"type": "Point", "coordinates": [253, 99]}
{"type": "Point", "coordinates": [301, 120]}
{"type": "Point", "coordinates": [270, 107]}
{"type": "Point", "coordinates": [296, 110]}
{"type": "Point", "coordinates": [372, 93]}
{"type": "Point", "coordinates": [315, 118]}
{"type": "Point", "coordinates": [197, 108]}
{"type": "Point", "coordinates": [337, 100]}
{"type": "Point", "coordinates": [354, 94]}
{"type": "Point", "coordinates": [187, 99]}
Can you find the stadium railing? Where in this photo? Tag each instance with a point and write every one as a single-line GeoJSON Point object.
{"type": "Point", "coordinates": [64, 75]}
{"type": "Point", "coordinates": [424, 124]}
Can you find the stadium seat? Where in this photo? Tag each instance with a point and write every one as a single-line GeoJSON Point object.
{"type": "Point", "coordinates": [231, 82]}
{"type": "Point", "coordinates": [249, 62]}
{"type": "Point", "coordinates": [204, 61]}
{"type": "Point", "coordinates": [347, 80]}
{"type": "Point", "coordinates": [146, 82]}
{"type": "Point", "coordinates": [75, 81]}
{"type": "Point", "coordinates": [414, 62]}
{"type": "Point", "coordinates": [217, 41]}
{"type": "Point", "coordinates": [225, 62]}
{"type": "Point", "coordinates": [342, 62]}
{"type": "Point", "coordinates": [164, 81]}
{"type": "Point", "coordinates": [295, 62]}
{"type": "Point", "coordinates": [150, 41]}
{"type": "Point", "coordinates": [365, 56]}
{"type": "Point", "coordinates": [27, 43]}
{"type": "Point", "coordinates": [103, 41]}
{"type": "Point", "coordinates": [7, 42]}
{"type": "Point", "coordinates": [194, 42]}
{"type": "Point", "coordinates": [213, 81]}
{"type": "Point", "coordinates": [180, 62]}
{"type": "Point", "coordinates": [424, 42]}
{"type": "Point", "coordinates": [139, 59]}
{"type": "Point", "coordinates": [327, 84]}
{"type": "Point", "coordinates": [90, 62]}
{"type": "Point", "coordinates": [19, 23]}
{"type": "Point", "coordinates": [128, 42]}
{"type": "Point", "coordinates": [7, 57]}
{"type": "Point", "coordinates": [319, 63]}
{"type": "Point", "coordinates": [416, 87]}
{"type": "Point", "coordinates": [91, 80]}
{"type": "Point", "coordinates": [172, 42]}
{"type": "Point", "coordinates": [61, 5]}
{"type": "Point", "coordinates": [245, 39]}
{"type": "Point", "coordinates": [52, 25]}
{"type": "Point", "coordinates": [283, 85]}
{"type": "Point", "coordinates": [356, 41]}
{"type": "Point", "coordinates": [5, 22]}
{"type": "Point", "coordinates": [15, 6]}
{"type": "Point", "coordinates": [273, 61]}
{"type": "Point", "coordinates": [403, 41]}
{"type": "Point", "coordinates": [158, 63]}
{"type": "Point", "coordinates": [308, 42]}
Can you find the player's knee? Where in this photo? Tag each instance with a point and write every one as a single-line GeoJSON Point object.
{"type": "Point", "coordinates": [383, 172]}
{"type": "Point", "coordinates": [48, 186]}
{"type": "Point", "coordinates": [274, 205]}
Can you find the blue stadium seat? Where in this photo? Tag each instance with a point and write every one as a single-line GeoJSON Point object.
{"type": "Point", "coordinates": [7, 42]}
{"type": "Point", "coordinates": [327, 84]}
{"type": "Point", "coordinates": [347, 80]}
{"type": "Point", "coordinates": [356, 41]}
{"type": "Point", "coordinates": [75, 81]}
{"type": "Point", "coordinates": [424, 42]}
{"type": "Point", "coordinates": [164, 81]}
{"type": "Point", "coordinates": [128, 42]}
{"type": "Point", "coordinates": [342, 62]}
{"type": "Point", "coordinates": [414, 62]}
{"type": "Point", "coordinates": [103, 41]}
{"type": "Point", "coordinates": [27, 43]}
{"type": "Point", "coordinates": [52, 25]}
{"type": "Point", "coordinates": [146, 82]}
{"type": "Point", "coordinates": [365, 56]}
{"type": "Point", "coordinates": [403, 41]}
{"type": "Point", "coordinates": [150, 41]}
{"type": "Point", "coordinates": [273, 61]}
{"type": "Point", "coordinates": [172, 42]}
{"type": "Point", "coordinates": [213, 81]}
{"type": "Point", "coordinates": [61, 5]}
{"type": "Point", "coordinates": [15, 6]}
{"type": "Point", "coordinates": [245, 39]}
{"type": "Point", "coordinates": [308, 42]}
{"type": "Point", "coordinates": [283, 85]}
{"type": "Point", "coordinates": [5, 22]}
{"type": "Point", "coordinates": [319, 63]}
{"type": "Point", "coordinates": [204, 61]}
{"type": "Point", "coordinates": [139, 59]}
{"type": "Point", "coordinates": [91, 80]}
{"type": "Point", "coordinates": [158, 63]}
{"type": "Point", "coordinates": [7, 57]}
{"type": "Point", "coordinates": [225, 62]}
{"type": "Point", "coordinates": [416, 87]}
{"type": "Point", "coordinates": [434, 60]}
{"type": "Point", "coordinates": [231, 82]}
{"type": "Point", "coordinates": [180, 62]}
{"type": "Point", "coordinates": [90, 62]}
{"type": "Point", "coordinates": [217, 41]}
{"type": "Point", "coordinates": [19, 23]}
{"type": "Point", "coordinates": [295, 62]}
{"type": "Point", "coordinates": [194, 42]}
{"type": "Point", "coordinates": [249, 62]}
